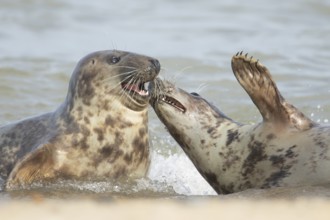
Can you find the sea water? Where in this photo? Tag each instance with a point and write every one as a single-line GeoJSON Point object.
{"type": "Point", "coordinates": [42, 40]}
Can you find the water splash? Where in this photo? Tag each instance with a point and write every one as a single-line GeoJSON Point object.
{"type": "Point", "coordinates": [178, 172]}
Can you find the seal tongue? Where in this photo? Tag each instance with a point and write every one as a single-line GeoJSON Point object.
{"type": "Point", "coordinates": [138, 88]}
{"type": "Point", "coordinates": [132, 87]}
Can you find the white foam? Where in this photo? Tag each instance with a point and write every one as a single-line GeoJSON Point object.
{"type": "Point", "coordinates": [177, 171]}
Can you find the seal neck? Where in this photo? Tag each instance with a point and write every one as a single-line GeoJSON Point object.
{"type": "Point", "coordinates": [77, 111]}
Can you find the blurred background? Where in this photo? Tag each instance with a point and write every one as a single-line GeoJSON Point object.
{"type": "Point", "coordinates": [42, 40]}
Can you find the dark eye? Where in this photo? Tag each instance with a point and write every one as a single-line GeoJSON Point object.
{"type": "Point", "coordinates": [114, 59]}
{"type": "Point", "coordinates": [195, 94]}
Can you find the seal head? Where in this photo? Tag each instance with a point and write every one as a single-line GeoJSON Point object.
{"type": "Point", "coordinates": [99, 132]}
{"type": "Point", "coordinates": [94, 72]}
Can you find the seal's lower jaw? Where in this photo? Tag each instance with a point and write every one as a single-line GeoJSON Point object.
{"type": "Point", "coordinates": [137, 92]}
{"type": "Point", "coordinates": [173, 102]}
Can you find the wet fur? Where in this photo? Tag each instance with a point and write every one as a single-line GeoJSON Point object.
{"type": "Point", "coordinates": [286, 149]}
{"type": "Point", "coordinates": [98, 133]}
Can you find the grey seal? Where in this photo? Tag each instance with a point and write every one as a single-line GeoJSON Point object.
{"type": "Point", "coordinates": [99, 132]}
{"type": "Point", "coordinates": [286, 149]}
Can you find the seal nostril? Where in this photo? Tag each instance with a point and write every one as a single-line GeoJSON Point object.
{"type": "Point", "coordinates": [156, 64]}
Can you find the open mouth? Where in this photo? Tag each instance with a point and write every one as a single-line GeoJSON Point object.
{"type": "Point", "coordinates": [173, 102]}
{"type": "Point", "coordinates": [138, 88]}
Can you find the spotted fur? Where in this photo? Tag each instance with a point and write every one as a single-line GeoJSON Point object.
{"type": "Point", "coordinates": [100, 131]}
{"type": "Point", "coordinates": [285, 149]}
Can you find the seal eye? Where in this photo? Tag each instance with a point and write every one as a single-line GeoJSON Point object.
{"type": "Point", "coordinates": [194, 94]}
{"type": "Point", "coordinates": [114, 59]}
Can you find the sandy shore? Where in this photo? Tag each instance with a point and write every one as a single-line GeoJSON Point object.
{"type": "Point", "coordinates": [167, 209]}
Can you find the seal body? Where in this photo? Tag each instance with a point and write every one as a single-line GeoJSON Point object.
{"type": "Point", "coordinates": [285, 149]}
{"type": "Point", "coordinates": [99, 132]}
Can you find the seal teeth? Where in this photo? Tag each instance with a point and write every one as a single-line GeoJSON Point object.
{"type": "Point", "coordinates": [173, 102]}
{"type": "Point", "coordinates": [144, 92]}
{"type": "Point", "coordinates": [137, 88]}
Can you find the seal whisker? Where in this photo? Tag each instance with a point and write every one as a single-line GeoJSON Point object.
{"type": "Point", "coordinates": [131, 81]}
{"type": "Point", "coordinates": [136, 81]}
{"type": "Point", "coordinates": [180, 72]}
{"type": "Point", "coordinates": [201, 87]}
{"type": "Point", "coordinates": [128, 67]}
{"type": "Point", "coordinates": [159, 90]}
{"type": "Point", "coordinates": [122, 92]}
{"type": "Point", "coordinates": [121, 74]}
{"type": "Point", "coordinates": [118, 85]}
{"type": "Point", "coordinates": [162, 69]}
{"type": "Point", "coordinates": [176, 75]}
{"type": "Point", "coordinates": [171, 81]}
{"type": "Point", "coordinates": [121, 81]}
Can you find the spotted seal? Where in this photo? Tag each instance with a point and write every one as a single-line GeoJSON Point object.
{"type": "Point", "coordinates": [99, 132]}
{"type": "Point", "coordinates": [285, 149]}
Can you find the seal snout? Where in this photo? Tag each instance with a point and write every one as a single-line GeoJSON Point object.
{"type": "Point", "coordinates": [155, 64]}
{"type": "Point", "coordinates": [162, 92]}
{"type": "Point", "coordinates": [140, 86]}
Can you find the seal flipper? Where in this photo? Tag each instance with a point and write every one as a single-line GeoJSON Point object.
{"type": "Point", "coordinates": [258, 83]}
{"type": "Point", "coordinates": [36, 165]}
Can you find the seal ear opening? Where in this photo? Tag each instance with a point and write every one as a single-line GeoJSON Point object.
{"type": "Point", "coordinates": [34, 166]}
{"type": "Point", "coordinates": [93, 61]}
